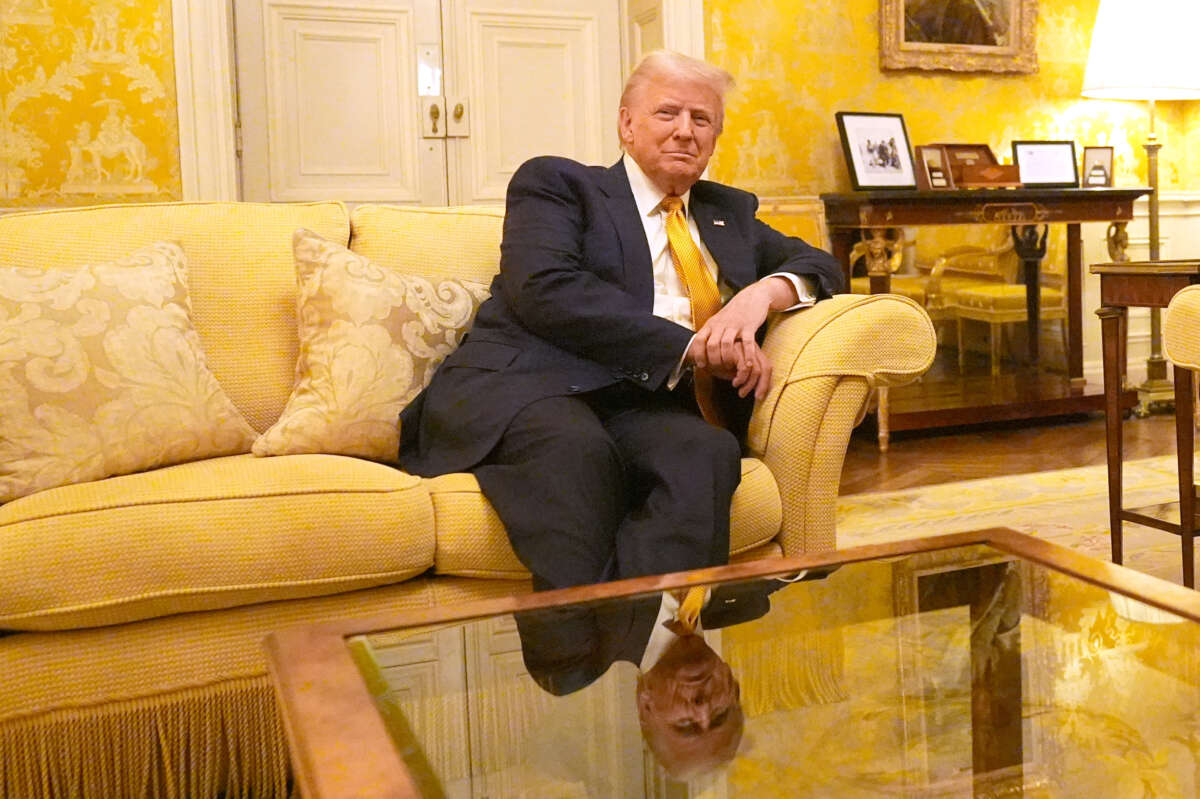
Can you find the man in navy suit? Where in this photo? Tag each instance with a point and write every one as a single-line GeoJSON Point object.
{"type": "Point", "coordinates": [571, 398]}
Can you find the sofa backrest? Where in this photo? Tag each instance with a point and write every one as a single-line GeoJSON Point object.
{"type": "Point", "coordinates": [240, 270]}
{"type": "Point", "coordinates": [459, 242]}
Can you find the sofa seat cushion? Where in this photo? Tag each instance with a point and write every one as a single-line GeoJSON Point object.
{"type": "Point", "coordinates": [911, 286]}
{"type": "Point", "coordinates": [1003, 297]}
{"type": "Point", "coordinates": [471, 541]}
{"type": "Point", "coordinates": [210, 534]}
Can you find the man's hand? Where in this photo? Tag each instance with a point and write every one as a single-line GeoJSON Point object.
{"type": "Point", "coordinates": [725, 345]}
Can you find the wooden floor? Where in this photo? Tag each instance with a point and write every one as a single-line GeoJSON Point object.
{"type": "Point", "coordinates": [928, 457]}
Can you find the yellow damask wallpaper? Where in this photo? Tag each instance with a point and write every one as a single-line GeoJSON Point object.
{"type": "Point", "coordinates": [799, 61]}
{"type": "Point", "coordinates": [87, 102]}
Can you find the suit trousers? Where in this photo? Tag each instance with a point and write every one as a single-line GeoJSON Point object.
{"type": "Point", "coordinates": [613, 483]}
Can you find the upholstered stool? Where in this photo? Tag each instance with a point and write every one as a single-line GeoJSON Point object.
{"type": "Point", "coordinates": [911, 286]}
{"type": "Point", "coordinates": [999, 304]}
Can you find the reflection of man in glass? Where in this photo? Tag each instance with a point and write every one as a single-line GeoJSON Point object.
{"type": "Point", "coordinates": [689, 707]}
{"type": "Point", "coordinates": [688, 701]}
{"type": "Point", "coordinates": [980, 22]}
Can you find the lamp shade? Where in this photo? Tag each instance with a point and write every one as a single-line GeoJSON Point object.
{"type": "Point", "coordinates": [1144, 50]}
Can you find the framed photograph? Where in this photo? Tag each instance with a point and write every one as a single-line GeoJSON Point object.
{"type": "Point", "coordinates": [967, 36]}
{"type": "Point", "coordinates": [876, 149]}
{"type": "Point", "coordinates": [933, 168]}
{"type": "Point", "coordinates": [1097, 166]}
{"type": "Point", "coordinates": [1049, 164]}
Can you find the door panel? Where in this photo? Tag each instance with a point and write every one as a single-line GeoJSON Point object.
{"type": "Point", "coordinates": [543, 78]}
{"type": "Point", "coordinates": [330, 105]}
{"type": "Point", "coordinates": [337, 97]}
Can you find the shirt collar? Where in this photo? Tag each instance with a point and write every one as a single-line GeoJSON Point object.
{"type": "Point", "coordinates": [646, 195]}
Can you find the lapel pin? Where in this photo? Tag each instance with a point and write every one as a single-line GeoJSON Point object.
{"type": "Point", "coordinates": [719, 222]}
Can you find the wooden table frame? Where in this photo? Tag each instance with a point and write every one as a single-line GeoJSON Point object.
{"type": "Point", "coordinates": [868, 215]}
{"type": "Point", "coordinates": [1148, 284]}
{"type": "Point", "coordinates": [331, 721]}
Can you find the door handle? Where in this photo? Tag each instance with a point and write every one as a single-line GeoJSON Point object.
{"type": "Point", "coordinates": [459, 123]}
{"type": "Point", "coordinates": [433, 121]}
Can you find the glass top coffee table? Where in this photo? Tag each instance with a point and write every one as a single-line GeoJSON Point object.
{"type": "Point", "coordinates": [987, 663]}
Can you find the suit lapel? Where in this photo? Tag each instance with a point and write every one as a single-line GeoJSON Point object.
{"type": "Point", "coordinates": [635, 252]}
{"type": "Point", "coordinates": [719, 232]}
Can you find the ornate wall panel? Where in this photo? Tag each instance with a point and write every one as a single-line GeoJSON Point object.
{"type": "Point", "coordinates": [87, 102]}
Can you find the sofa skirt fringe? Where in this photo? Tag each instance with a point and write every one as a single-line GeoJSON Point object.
{"type": "Point", "coordinates": [224, 740]}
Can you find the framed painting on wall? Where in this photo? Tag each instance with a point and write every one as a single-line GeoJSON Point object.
{"type": "Point", "coordinates": [959, 35]}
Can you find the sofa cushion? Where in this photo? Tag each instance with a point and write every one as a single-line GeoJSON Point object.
{"type": "Point", "coordinates": [370, 340]}
{"type": "Point", "coordinates": [471, 541]}
{"type": "Point", "coordinates": [209, 534]}
{"type": "Point", "coordinates": [461, 243]}
{"type": "Point", "coordinates": [102, 373]}
{"type": "Point", "coordinates": [240, 273]}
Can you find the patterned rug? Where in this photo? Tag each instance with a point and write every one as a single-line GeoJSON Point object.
{"type": "Point", "coordinates": [1068, 507]}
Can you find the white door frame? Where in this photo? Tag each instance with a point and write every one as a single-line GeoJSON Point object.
{"type": "Point", "coordinates": [204, 87]}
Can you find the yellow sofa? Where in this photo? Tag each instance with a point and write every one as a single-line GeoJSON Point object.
{"type": "Point", "coordinates": [132, 608]}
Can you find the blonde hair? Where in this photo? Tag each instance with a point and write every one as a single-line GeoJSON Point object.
{"type": "Point", "coordinates": [668, 63]}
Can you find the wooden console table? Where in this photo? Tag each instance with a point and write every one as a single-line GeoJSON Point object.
{"type": "Point", "coordinates": [868, 215]}
{"type": "Point", "coordinates": [1145, 284]}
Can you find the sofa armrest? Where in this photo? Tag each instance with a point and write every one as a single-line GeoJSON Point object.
{"type": "Point", "coordinates": [827, 361]}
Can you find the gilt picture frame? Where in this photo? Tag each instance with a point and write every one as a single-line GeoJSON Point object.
{"type": "Point", "coordinates": [959, 35]}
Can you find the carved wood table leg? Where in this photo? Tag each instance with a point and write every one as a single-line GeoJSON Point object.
{"type": "Point", "coordinates": [1031, 248]}
{"type": "Point", "coordinates": [1111, 324]}
{"type": "Point", "coordinates": [1184, 449]}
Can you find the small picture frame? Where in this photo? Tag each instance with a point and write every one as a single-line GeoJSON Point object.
{"type": "Point", "coordinates": [1046, 164]}
{"type": "Point", "coordinates": [877, 151]}
{"type": "Point", "coordinates": [933, 168]}
{"type": "Point", "coordinates": [1097, 166]}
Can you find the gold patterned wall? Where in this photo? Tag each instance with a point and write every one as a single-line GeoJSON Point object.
{"type": "Point", "coordinates": [799, 61]}
{"type": "Point", "coordinates": [87, 102]}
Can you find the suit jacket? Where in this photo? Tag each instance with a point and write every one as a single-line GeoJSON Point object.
{"type": "Point", "coordinates": [568, 648]}
{"type": "Point", "coordinates": [571, 309]}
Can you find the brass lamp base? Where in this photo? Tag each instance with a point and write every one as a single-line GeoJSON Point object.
{"type": "Point", "coordinates": [1157, 394]}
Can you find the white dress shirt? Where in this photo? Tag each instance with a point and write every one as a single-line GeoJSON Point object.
{"type": "Point", "coordinates": [670, 295]}
{"type": "Point", "coordinates": [660, 636]}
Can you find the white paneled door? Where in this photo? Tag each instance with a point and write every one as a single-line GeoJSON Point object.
{"type": "Point", "coordinates": [420, 101]}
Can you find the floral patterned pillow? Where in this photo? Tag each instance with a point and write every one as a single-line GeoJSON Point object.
{"type": "Point", "coordinates": [102, 373]}
{"type": "Point", "coordinates": [370, 340]}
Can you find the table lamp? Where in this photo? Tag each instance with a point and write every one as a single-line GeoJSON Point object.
{"type": "Point", "coordinates": [1146, 50]}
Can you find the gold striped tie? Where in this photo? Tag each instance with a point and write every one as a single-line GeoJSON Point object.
{"type": "Point", "coordinates": [690, 605]}
{"type": "Point", "coordinates": [703, 295]}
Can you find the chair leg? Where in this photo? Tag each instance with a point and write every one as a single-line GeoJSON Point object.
{"type": "Point", "coordinates": [994, 342]}
{"type": "Point", "coordinates": [961, 358]}
{"type": "Point", "coordinates": [1062, 325]}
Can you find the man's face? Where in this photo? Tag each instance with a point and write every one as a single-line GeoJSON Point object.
{"type": "Point", "coordinates": [689, 708]}
{"type": "Point", "coordinates": [669, 127]}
